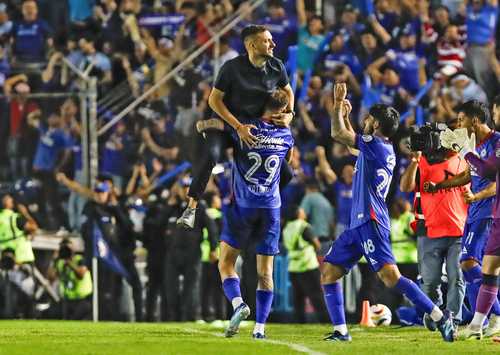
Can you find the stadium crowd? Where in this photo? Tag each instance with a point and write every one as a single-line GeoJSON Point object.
{"type": "Point", "coordinates": [425, 58]}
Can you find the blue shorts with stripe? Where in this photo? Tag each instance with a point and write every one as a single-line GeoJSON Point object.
{"type": "Point", "coordinates": [368, 240]}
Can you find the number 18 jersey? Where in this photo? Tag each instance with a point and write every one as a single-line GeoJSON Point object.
{"type": "Point", "coordinates": [256, 172]}
{"type": "Point", "coordinates": [373, 174]}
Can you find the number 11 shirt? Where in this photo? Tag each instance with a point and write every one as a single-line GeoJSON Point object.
{"type": "Point", "coordinates": [372, 178]}
{"type": "Point", "coordinates": [256, 173]}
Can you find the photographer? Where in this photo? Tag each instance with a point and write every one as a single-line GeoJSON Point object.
{"type": "Point", "coordinates": [75, 283]}
{"type": "Point", "coordinates": [440, 217]}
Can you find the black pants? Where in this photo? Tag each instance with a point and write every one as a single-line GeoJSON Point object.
{"type": "Point", "coordinates": [77, 309]}
{"type": "Point", "coordinates": [182, 303]}
{"type": "Point", "coordinates": [307, 284]}
{"type": "Point", "coordinates": [135, 283]}
{"type": "Point", "coordinates": [213, 301]}
{"type": "Point", "coordinates": [216, 143]}
{"type": "Point", "coordinates": [54, 215]}
{"type": "Point", "coordinates": [155, 287]}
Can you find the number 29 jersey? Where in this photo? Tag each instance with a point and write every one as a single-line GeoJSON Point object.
{"type": "Point", "coordinates": [256, 172]}
{"type": "Point", "coordinates": [373, 175]}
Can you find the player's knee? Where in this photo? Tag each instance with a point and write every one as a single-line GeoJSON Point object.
{"type": "Point", "coordinates": [265, 281]}
{"type": "Point", "coordinates": [330, 274]}
{"type": "Point", "coordinates": [389, 275]}
{"type": "Point", "coordinates": [468, 264]}
{"type": "Point", "coordinates": [225, 268]}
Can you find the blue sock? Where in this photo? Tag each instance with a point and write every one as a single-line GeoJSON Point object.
{"type": "Point", "coordinates": [415, 294]}
{"type": "Point", "coordinates": [334, 300]}
{"type": "Point", "coordinates": [231, 287]}
{"type": "Point", "coordinates": [473, 279]}
{"type": "Point", "coordinates": [263, 302]}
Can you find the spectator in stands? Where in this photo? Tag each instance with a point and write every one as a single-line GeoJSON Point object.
{"type": "Point", "coordinates": [482, 16]}
{"type": "Point", "coordinates": [31, 36]}
{"type": "Point", "coordinates": [90, 56]}
{"type": "Point", "coordinates": [371, 48]}
{"type": "Point", "coordinates": [5, 23]}
{"type": "Point", "coordinates": [387, 83]}
{"type": "Point", "coordinates": [114, 154]}
{"type": "Point", "coordinates": [310, 37]}
{"type": "Point", "coordinates": [339, 54]}
{"type": "Point", "coordinates": [52, 153]}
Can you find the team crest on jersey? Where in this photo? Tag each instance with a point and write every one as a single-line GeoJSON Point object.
{"type": "Point", "coordinates": [367, 138]}
{"type": "Point", "coordinates": [483, 153]}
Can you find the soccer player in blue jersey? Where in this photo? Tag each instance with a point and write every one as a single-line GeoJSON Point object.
{"type": "Point", "coordinates": [369, 231]}
{"type": "Point", "coordinates": [474, 116]}
{"type": "Point", "coordinates": [254, 214]}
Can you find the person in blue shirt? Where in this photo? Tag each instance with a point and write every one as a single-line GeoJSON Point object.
{"type": "Point", "coordinates": [481, 21]}
{"type": "Point", "coordinates": [283, 28]}
{"type": "Point", "coordinates": [369, 231]}
{"type": "Point", "coordinates": [310, 38]}
{"type": "Point", "coordinates": [339, 53]}
{"type": "Point", "coordinates": [51, 155]}
{"type": "Point", "coordinates": [114, 154]}
{"type": "Point", "coordinates": [254, 216]}
{"type": "Point", "coordinates": [31, 35]}
{"type": "Point", "coordinates": [474, 116]}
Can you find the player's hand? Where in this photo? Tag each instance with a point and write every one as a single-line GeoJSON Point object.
{"type": "Point", "coordinates": [469, 197]}
{"type": "Point", "coordinates": [212, 257]}
{"type": "Point", "coordinates": [430, 187]}
{"type": "Point", "coordinates": [320, 151]}
{"type": "Point", "coordinates": [339, 92]}
{"type": "Point", "coordinates": [346, 105]}
{"type": "Point", "coordinates": [245, 134]}
{"type": "Point", "coordinates": [282, 119]}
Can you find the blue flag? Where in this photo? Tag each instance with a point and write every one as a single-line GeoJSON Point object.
{"type": "Point", "coordinates": [104, 252]}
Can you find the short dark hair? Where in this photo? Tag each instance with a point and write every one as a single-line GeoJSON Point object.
{"type": "Point", "coordinates": [275, 3]}
{"type": "Point", "coordinates": [476, 108]}
{"type": "Point", "coordinates": [251, 30]}
{"type": "Point", "coordinates": [388, 118]}
{"type": "Point", "coordinates": [311, 183]}
{"type": "Point", "coordinates": [277, 100]}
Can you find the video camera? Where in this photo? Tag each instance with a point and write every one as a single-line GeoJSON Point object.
{"type": "Point", "coordinates": [426, 139]}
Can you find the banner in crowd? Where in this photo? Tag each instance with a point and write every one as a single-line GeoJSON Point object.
{"type": "Point", "coordinates": [105, 254]}
{"type": "Point", "coordinates": [168, 24]}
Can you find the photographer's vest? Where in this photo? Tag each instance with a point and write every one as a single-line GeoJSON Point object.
{"type": "Point", "coordinates": [301, 254]}
{"type": "Point", "coordinates": [445, 211]}
{"type": "Point", "coordinates": [404, 246]}
{"type": "Point", "coordinates": [13, 237]}
{"type": "Point", "coordinates": [70, 286]}
{"type": "Point", "coordinates": [214, 214]}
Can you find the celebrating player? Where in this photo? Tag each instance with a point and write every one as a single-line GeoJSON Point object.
{"type": "Point", "coordinates": [474, 117]}
{"type": "Point", "coordinates": [368, 234]}
{"type": "Point", "coordinates": [488, 168]}
{"type": "Point", "coordinates": [255, 211]}
{"type": "Point", "coordinates": [240, 91]}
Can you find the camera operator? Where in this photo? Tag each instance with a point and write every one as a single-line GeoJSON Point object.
{"type": "Point", "coordinates": [440, 217]}
{"type": "Point", "coordinates": [75, 283]}
{"type": "Point", "coordinates": [474, 116]}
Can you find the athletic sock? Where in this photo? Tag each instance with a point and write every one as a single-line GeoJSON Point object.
{"type": "Point", "coordinates": [485, 299]}
{"type": "Point", "coordinates": [419, 299]}
{"type": "Point", "coordinates": [231, 287]}
{"type": "Point", "coordinates": [473, 278]}
{"type": "Point", "coordinates": [334, 300]}
{"type": "Point", "coordinates": [263, 303]}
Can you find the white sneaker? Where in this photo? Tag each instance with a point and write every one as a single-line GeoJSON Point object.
{"type": "Point", "coordinates": [469, 333]}
{"type": "Point", "coordinates": [493, 326]}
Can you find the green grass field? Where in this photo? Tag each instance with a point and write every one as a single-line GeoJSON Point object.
{"type": "Point", "coordinates": [57, 337]}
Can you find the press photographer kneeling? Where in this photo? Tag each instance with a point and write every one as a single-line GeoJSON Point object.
{"type": "Point", "coordinates": [440, 216]}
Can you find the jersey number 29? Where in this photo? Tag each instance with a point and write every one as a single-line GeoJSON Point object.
{"type": "Point", "coordinates": [270, 165]}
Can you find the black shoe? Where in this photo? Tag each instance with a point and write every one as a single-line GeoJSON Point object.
{"type": "Point", "coordinates": [429, 323]}
{"type": "Point", "coordinates": [336, 336]}
{"type": "Point", "coordinates": [447, 327]}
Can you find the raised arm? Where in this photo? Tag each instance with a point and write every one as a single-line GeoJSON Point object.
{"type": "Point", "coordinates": [458, 180]}
{"type": "Point", "coordinates": [486, 168]}
{"type": "Point", "coordinates": [339, 132]}
{"type": "Point", "coordinates": [301, 13]}
{"type": "Point", "coordinates": [408, 179]}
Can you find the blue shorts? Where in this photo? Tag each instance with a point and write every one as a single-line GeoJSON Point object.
{"type": "Point", "coordinates": [474, 239]}
{"type": "Point", "coordinates": [368, 240]}
{"type": "Point", "coordinates": [244, 227]}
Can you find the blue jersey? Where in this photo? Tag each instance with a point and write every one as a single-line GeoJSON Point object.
{"type": "Point", "coordinates": [482, 208]}
{"type": "Point", "coordinates": [373, 175]}
{"type": "Point", "coordinates": [52, 142]}
{"type": "Point", "coordinates": [343, 201]}
{"type": "Point", "coordinates": [481, 25]}
{"type": "Point", "coordinates": [256, 173]}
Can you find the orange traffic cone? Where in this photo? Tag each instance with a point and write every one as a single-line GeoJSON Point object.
{"type": "Point", "coordinates": [366, 320]}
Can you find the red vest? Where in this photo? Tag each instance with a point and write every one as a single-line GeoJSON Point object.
{"type": "Point", "coordinates": [445, 211]}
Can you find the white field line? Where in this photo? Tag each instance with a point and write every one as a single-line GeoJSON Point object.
{"type": "Point", "coordinates": [297, 347]}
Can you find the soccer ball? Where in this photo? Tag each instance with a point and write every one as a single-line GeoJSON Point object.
{"type": "Point", "coordinates": [380, 314]}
